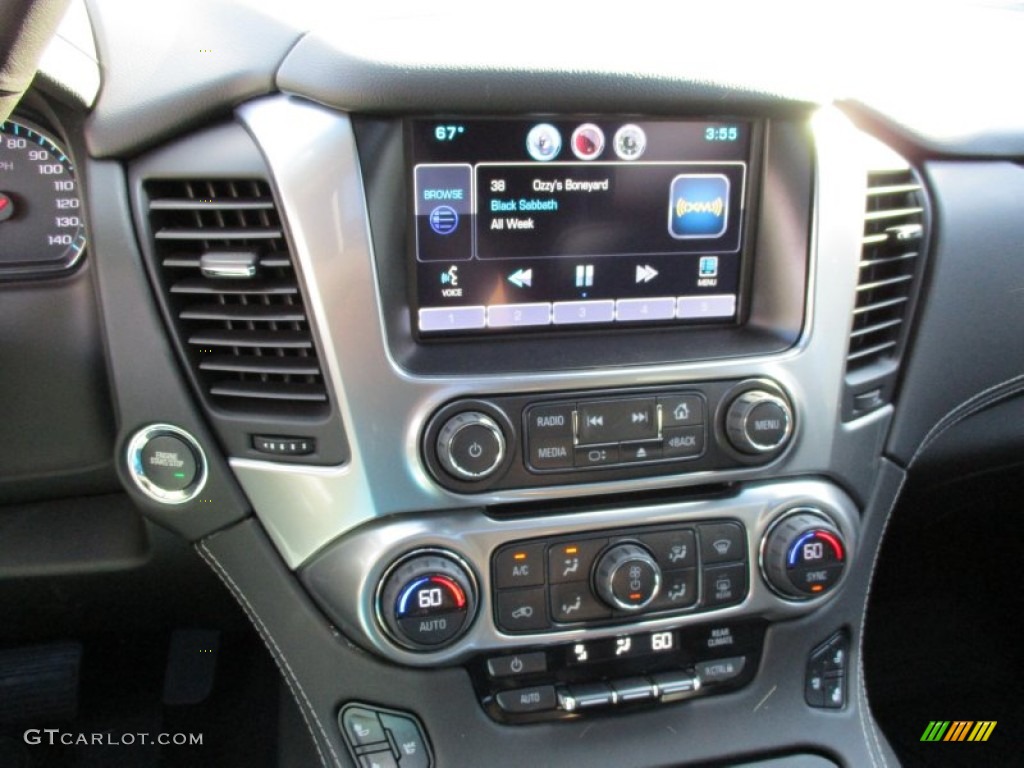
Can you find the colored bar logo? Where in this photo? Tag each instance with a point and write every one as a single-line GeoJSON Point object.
{"type": "Point", "coordinates": [698, 206]}
{"type": "Point", "coordinates": [958, 730]}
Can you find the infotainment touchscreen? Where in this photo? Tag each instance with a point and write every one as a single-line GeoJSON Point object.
{"type": "Point", "coordinates": [557, 223]}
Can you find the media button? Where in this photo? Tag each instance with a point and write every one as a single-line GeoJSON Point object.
{"type": "Point", "coordinates": [551, 452]}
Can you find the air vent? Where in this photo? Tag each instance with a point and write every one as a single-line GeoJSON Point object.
{"type": "Point", "coordinates": [894, 228]}
{"type": "Point", "coordinates": [892, 254]}
{"type": "Point", "coordinates": [233, 295]}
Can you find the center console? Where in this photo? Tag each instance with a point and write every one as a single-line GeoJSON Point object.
{"type": "Point", "coordinates": [590, 373]}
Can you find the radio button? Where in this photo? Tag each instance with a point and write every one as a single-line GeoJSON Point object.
{"type": "Point", "coordinates": [519, 566]}
{"type": "Point", "coordinates": [612, 421]}
{"type": "Point", "coordinates": [547, 421]}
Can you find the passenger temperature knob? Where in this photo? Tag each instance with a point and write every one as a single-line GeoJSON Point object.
{"type": "Point", "coordinates": [804, 555]}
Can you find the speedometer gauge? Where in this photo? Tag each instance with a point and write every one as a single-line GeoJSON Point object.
{"type": "Point", "coordinates": [41, 221]}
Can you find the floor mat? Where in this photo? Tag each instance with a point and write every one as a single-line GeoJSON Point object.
{"type": "Point", "coordinates": [121, 714]}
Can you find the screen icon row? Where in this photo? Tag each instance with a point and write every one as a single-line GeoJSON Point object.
{"type": "Point", "coordinates": [544, 142]}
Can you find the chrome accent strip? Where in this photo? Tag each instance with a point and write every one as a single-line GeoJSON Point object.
{"type": "Point", "coordinates": [385, 408]}
{"type": "Point", "coordinates": [344, 578]}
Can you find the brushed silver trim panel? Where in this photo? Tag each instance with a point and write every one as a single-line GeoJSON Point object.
{"type": "Point", "coordinates": [344, 579]}
{"type": "Point", "coordinates": [311, 152]}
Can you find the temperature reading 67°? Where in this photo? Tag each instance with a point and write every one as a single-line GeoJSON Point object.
{"type": "Point", "coordinates": [448, 132]}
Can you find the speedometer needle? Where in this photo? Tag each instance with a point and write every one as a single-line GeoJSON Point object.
{"type": "Point", "coordinates": [6, 207]}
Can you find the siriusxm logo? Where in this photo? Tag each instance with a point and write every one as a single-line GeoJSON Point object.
{"type": "Point", "coordinates": [698, 206]}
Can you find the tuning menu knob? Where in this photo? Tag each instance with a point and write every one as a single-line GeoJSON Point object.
{"type": "Point", "coordinates": [803, 555]}
{"type": "Point", "coordinates": [627, 577]}
{"type": "Point", "coordinates": [759, 422]}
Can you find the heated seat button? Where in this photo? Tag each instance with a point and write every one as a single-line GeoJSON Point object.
{"type": "Point", "coordinates": [361, 726]}
{"type": "Point", "coordinates": [381, 759]}
{"type": "Point", "coordinates": [612, 421]}
{"type": "Point", "coordinates": [408, 739]}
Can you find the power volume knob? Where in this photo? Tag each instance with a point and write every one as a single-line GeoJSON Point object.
{"type": "Point", "coordinates": [427, 600]}
{"type": "Point", "coordinates": [759, 422]}
{"type": "Point", "coordinates": [804, 555]}
{"type": "Point", "coordinates": [470, 446]}
{"type": "Point", "coordinates": [627, 577]}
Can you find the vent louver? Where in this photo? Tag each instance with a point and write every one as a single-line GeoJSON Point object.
{"type": "Point", "coordinates": [894, 234]}
{"type": "Point", "coordinates": [233, 295]}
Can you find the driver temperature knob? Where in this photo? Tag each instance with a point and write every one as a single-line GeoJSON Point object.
{"type": "Point", "coordinates": [427, 600]}
{"type": "Point", "coordinates": [627, 577]}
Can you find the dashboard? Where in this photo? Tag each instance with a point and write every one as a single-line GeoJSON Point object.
{"type": "Point", "coordinates": [558, 406]}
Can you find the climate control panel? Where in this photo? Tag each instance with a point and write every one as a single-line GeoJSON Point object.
{"type": "Point", "coordinates": [523, 441]}
{"type": "Point", "coordinates": [614, 577]}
